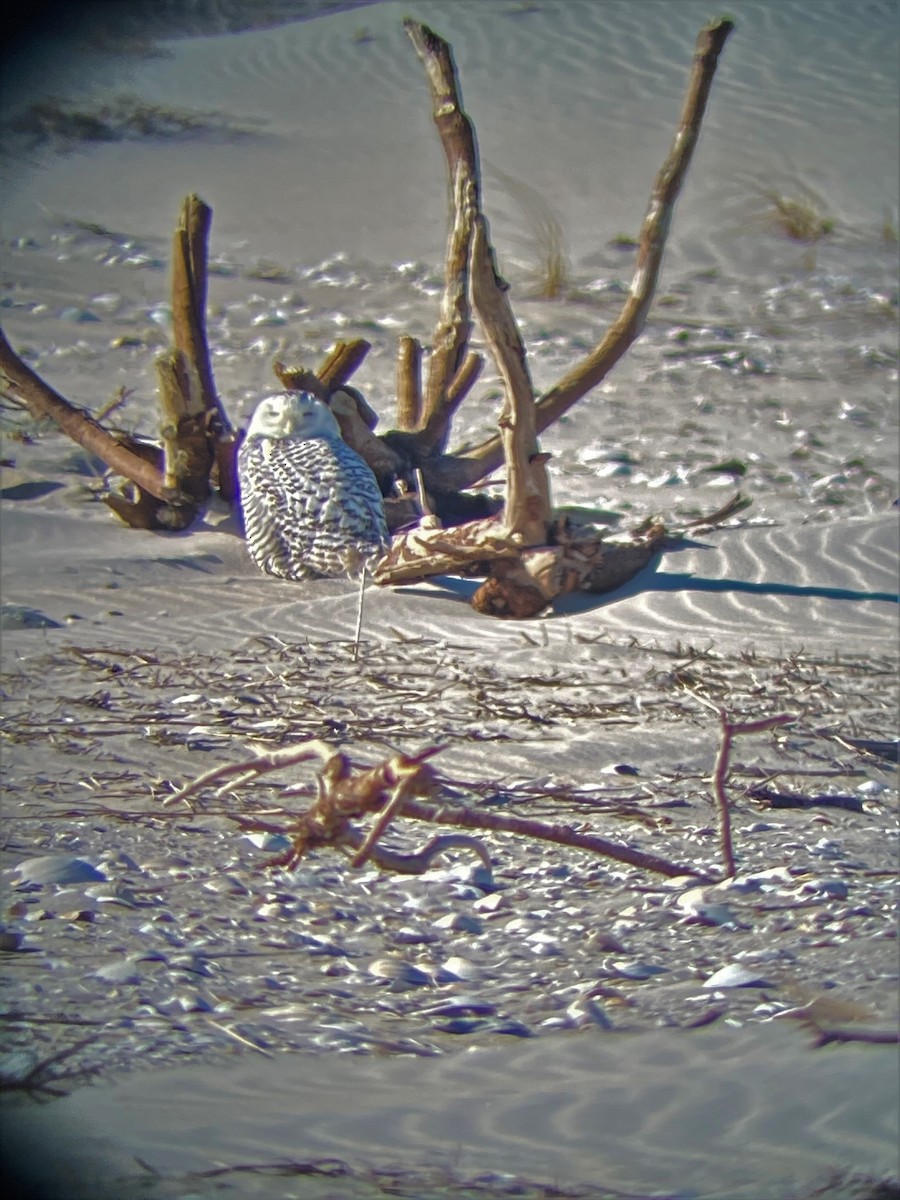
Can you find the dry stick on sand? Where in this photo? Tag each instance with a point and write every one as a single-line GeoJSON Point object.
{"type": "Point", "coordinates": [388, 789]}
{"type": "Point", "coordinates": [730, 729]}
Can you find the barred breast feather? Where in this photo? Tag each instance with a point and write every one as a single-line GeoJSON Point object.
{"type": "Point", "coordinates": [311, 505]}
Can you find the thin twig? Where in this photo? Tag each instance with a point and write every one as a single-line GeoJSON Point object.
{"type": "Point", "coordinates": [360, 604]}
{"type": "Point", "coordinates": [720, 774]}
{"type": "Point", "coordinates": [277, 760]}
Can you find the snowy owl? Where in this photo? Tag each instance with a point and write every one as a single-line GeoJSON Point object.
{"type": "Point", "coordinates": [311, 505]}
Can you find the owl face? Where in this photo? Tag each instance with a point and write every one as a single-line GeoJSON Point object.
{"type": "Point", "coordinates": [293, 415]}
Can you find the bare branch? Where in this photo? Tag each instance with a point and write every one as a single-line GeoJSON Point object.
{"type": "Point", "coordinates": [563, 835]}
{"type": "Point", "coordinates": [457, 136]}
{"type": "Point", "coordinates": [190, 250]}
{"type": "Point", "coordinates": [43, 402]}
{"type": "Point", "coordinates": [342, 361]}
{"type": "Point", "coordinates": [527, 512]}
{"type": "Point", "coordinates": [720, 774]}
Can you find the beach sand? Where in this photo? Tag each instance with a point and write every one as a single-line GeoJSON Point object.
{"type": "Point", "coordinates": [133, 662]}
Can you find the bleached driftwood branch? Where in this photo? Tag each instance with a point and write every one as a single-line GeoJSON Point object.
{"type": "Point", "coordinates": [466, 468]}
{"type": "Point", "coordinates": [528, 555]}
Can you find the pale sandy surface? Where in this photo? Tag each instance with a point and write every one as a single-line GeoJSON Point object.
{"type": "Point", "coordinates": [134, 661]}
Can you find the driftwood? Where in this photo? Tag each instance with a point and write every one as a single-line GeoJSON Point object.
{"type": "Point", "coordinates": [527, 553]}
{"type": "Point", "coordinates": [390, 789]}
{"type": "Point", "coordinates": [166, 487]}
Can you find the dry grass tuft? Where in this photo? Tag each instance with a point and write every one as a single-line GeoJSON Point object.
{"type": "Point", "coordinates": [800, 218]}
{"type": "Point", "coordinates": [540, 234]}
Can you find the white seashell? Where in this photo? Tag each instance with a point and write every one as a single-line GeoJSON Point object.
{"type": "Point", "coordinates": [409, 936]}
{"type": "Point", "coordinates": [57, 868]}
{"type": "Point", "coordinates": [735, 976]}
{"type": "Point", "coordinates": [586, 1011]}
{"type": "Point", "coordinates": [119, 973]}
{"type": "Point", "coordinates": [271, 842]}
{"type": "Point", "coordinates": [460, 1006]}
{"type": "Point", "coordinates": [397, 970]}
{"type": "Point", "coordinates": [837, 889]}
{"type": "Point", "coordinates": [455, 969]}
{"type": "Point", "coordinates": [697, 904]}
{"type": "Point", "coordinates": [634, 969]}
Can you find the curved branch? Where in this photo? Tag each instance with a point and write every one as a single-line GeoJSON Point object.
{"type": "Point", "coordinates": [43, 402]}
{"type": "Point", "coordinates": [563, 835]}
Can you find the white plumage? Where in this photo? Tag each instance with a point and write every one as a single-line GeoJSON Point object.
{"type": "Point", "coordinates": [311, 505]}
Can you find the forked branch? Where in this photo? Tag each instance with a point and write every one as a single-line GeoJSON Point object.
{"type": "Point", "coordinates": [481, 460]}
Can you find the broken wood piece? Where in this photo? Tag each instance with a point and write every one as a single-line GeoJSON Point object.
{"type": "Point", "coordinates": [524, 587]}
{"type": "Point", "coordinates": [342, 361]}
{"type": "Point", "coordinates": [187, 448]}
{"type": "Point", "coordinates": [137, 508]}
{"type": "Point", "coordinates": [301, 379]}
{"type": "Point", "coordinates": [409, 384]}
{"type": "Point", "coordinates": [429, 549]}
{"type": "Point", "coordinates": [772, 799]}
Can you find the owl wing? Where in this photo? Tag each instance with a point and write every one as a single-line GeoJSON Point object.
{"type": "Point", "coordinates": [268, 488]}
{"type": "Point", "coordinates": [357, 492]}
{"type": "Point", "coordinates": [311, 506]}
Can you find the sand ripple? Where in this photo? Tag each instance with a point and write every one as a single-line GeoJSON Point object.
{"type": "Point", "coordinates": [744, 1114]}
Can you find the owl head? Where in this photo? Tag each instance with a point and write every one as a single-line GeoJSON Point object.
{"type": "Point", "coordinates": [292, 415]}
